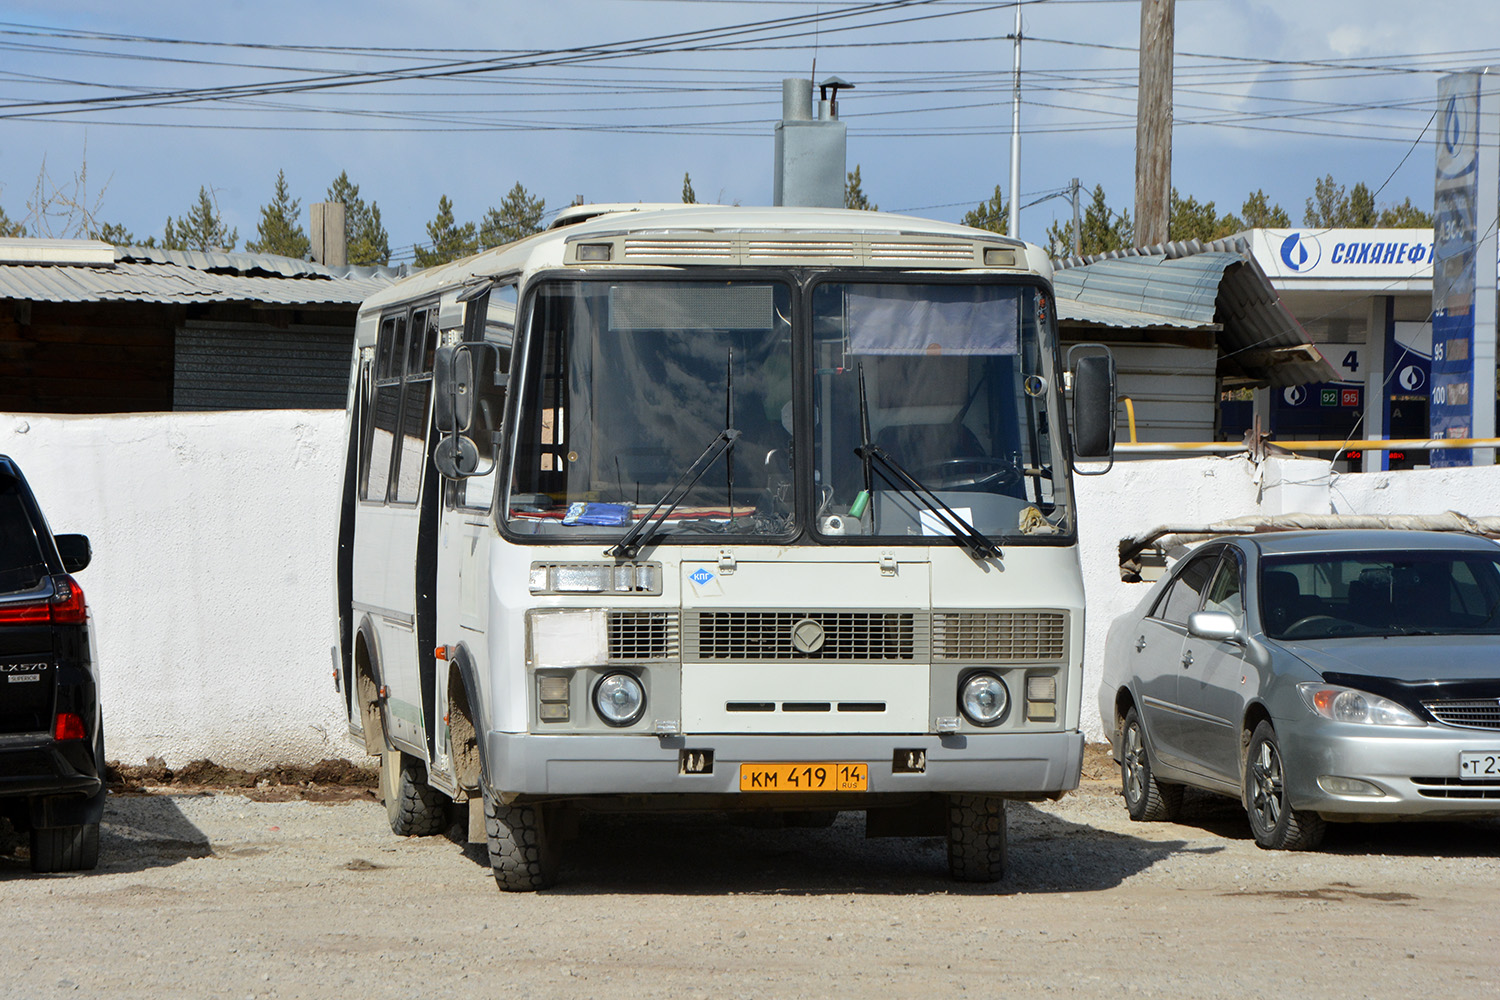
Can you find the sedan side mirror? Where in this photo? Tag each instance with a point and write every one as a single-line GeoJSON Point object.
{"type": "Point", "coordinates": [1216, 626]}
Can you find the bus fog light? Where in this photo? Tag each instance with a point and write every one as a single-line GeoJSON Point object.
{"type": "Point", "coordinates": [1041, 698]}
{"type": "Point", "coordinates": [983, 699]}
{"type": "Point", "coordinates": [1335, 785]}
{"type": "Point", "coordinates": [552, 688]}
{"type": "Point", "coordinates": [1040, 687]}
{"type": "Point", "coordinates": [619, 699]}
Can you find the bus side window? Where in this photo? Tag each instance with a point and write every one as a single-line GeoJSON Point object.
{"type": "Point", "coordinates": [384, 410]}
{"type": "Point", "coordinates": [415, 414]}
{"type": "Point", "coordinates": [494, 322]}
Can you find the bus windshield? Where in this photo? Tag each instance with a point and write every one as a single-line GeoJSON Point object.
{"type": "Point", "coordinates": [950, 383]}
{"type": "Point", "coordinates": [629, 382]}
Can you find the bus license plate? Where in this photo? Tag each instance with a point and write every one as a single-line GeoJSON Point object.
{"type": "Point", "coordinates": [1481, 765]}
{"type": "Point", "coordinates": [827, 776]}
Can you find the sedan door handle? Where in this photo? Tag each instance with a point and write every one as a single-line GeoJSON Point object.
{"type": "Point", "coordinates": [1187, 658]}
{"type": "Point", "coordinates": [1140, 643]}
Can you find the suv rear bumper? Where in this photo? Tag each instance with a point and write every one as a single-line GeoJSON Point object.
{"type": "Point", "coordinates": [39, 765]}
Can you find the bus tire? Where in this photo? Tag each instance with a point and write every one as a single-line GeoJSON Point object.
{"type": "Point", "coordinates": [521, 845]}
{"type": "Point", "coordinates": [414, 808]}
{"type": "Point", "coordinates": [978, 847]}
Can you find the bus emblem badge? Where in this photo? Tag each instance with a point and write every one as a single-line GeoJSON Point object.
{"type": "Point", "coordinates": [807, 636]}
{"type": "Point", "coordinates": [701, 577]}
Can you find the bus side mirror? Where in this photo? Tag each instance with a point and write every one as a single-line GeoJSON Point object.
{"type": "Point", "coordinates": [453, 388]}
{"type": "Point", "coordinates": [468, 395]}
{"type": "Point", "coordinates": [1093, 412]}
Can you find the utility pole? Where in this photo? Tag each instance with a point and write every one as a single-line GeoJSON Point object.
{"type": "Point", "coordinates": [1077, 224]}
{"type": "Point", "coordinates": [1153, 124]}
{"type": "Point", "coordinates": [1014, 227]}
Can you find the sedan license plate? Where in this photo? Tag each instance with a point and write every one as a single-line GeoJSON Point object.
{"type": "Point", "coordinates": [1479, 765]}
{"type": "Point", "coordinates": [825, 776]}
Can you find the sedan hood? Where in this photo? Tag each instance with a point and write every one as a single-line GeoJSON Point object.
{"type": "Point", "coordinates": [1407, 658]}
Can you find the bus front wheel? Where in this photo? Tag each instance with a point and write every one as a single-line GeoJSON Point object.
{"type": "Point", "coordinates": [977, 844]}
{"type": "Point", "coordinates": [522, 844]}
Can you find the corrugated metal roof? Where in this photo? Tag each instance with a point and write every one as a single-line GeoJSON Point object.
{"type": "Point", "coordinates": [1202, 285]}
{"type": "Point", "coordinates": [148, 274]}
{"type": "Point", "coordinates": [1069, 309]}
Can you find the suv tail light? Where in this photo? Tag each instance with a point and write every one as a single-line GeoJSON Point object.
{"type": "Point", "coordinates": [65, 607]}
{"type": "Point", "coordinates": [69, 726]}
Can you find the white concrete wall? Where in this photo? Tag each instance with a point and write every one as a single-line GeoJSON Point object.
{"type": "Point", "coordinates": [212, 581]}
{"type": "Point", "coordinates": [1135, 497]}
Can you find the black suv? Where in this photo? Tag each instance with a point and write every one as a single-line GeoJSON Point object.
{"type": "Point", "coordinates": [51, 735]}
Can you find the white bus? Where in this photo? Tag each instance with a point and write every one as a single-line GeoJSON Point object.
{"type": "Point", "coordinates": [693, 507]}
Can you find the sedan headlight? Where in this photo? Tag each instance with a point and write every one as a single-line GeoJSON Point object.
{"type": "Point", "coordinates": [1341, 704]}
{"type": "Point", "coordinates": [983, 699]}
{"type": "Point", "coordinates": [619, 699]}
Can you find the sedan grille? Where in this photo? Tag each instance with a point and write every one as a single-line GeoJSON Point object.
{"type": "Point", "coordinates": [643, 635]}
{"type": "Point", "coordinates": [1455, 788]}
{"type": "Point", "coordinates": [999, 635]}
{"type": "Point", "coordinates": [1472, 713]}
{"type": "Point", "coordinates": [805, 635]}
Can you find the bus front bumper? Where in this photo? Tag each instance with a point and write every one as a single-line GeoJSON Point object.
{"type": "Point", "coordinates": [1006, 764]}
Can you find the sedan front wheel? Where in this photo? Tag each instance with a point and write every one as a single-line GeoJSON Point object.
{"type": "Point", "coordinates": [1276, 825]}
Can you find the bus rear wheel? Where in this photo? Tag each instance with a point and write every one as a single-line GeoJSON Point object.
{"type": "Point", "coordinates": [978, 848]}
{"type": "Point", "coordinates": [414, 808]}
{"type": "Point", "coordinates": [522, 845]}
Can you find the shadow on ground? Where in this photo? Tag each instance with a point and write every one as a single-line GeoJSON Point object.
{"type": "Point", "coordinates": [719, 855]}
{"type": "Point", "coordinates": [139, 832]}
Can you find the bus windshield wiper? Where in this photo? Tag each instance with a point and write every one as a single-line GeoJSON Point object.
{"type": "Point", "coordinates": [963, 533]}
{"type": "Point", "coordinates": [642, 531]}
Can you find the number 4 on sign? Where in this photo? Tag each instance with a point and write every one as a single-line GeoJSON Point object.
{"type": "Point", "coordinates": [1351, 361]}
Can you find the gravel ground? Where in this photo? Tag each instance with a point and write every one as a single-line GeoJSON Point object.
{"type": "Point", "coordinates": [214, 894]}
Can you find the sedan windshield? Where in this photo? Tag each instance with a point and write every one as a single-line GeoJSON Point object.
{"type": "Point", "coordinates": [1380, 594]}
{"type": "Point", "coordinates": [948, 382]}
{"type": "Point", "coordinates": [629, 383]}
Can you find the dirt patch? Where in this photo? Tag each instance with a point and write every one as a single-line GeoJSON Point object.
{"type": "Point", "coordinates": [1098, 765]}
{"type": "Point", "coordinates": [325, 781]}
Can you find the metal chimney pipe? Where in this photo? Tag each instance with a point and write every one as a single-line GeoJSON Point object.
{"type": "Point", "coordinates": [796, 99]}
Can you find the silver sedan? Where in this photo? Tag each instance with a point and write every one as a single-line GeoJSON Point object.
{"type": "Point", "coordinates": [1318, 676]}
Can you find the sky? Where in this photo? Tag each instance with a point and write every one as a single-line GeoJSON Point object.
{"type": "Point", "coordinates": [129, 108]}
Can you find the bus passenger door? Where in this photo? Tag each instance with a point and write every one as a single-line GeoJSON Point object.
{"type": "Point", "coordinates": [388, 518]}
{"type": "Point", "coordinates": [467, 527]}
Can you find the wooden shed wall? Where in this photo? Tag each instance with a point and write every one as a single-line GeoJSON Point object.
{"type": "Point", "coordinates": [91, 357]}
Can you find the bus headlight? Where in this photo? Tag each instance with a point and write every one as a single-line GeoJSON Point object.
{"type": "Point", "coordinates": [983, 699]}
{"type": "Point", "coordinates": [619, 699]}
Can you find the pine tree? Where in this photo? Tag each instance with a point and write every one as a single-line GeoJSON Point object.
{"type": "Point", "coordinates": [279, 230]}
{"type": "Point", "coordinates": [117, 235]}
{"type": "Point", "coordinates": [993, 214]}
{"type": "Point", "coordinates": [449, 240]}
{"type": "Point", "coordinates": [1405, 216]}
{"type": "Point", "coordinates": [518, 216]}
{"type": "Point", "coordinates": [688, 195]}
{"type": "Point", "coordinates": [1104, 229]}
{"type": "Point", "coordinates": [9, 228]}
{"type": "Point", "coordinates": [368, 241]}
{"type": "Point", "coordinates": [1190, 220]}
{"type": "Point", "coordinates": [854, 195]}
{"type": "Point", "coordinates": [1260, 214]}
{"type": "Point", "coordinates": [201, 229]}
